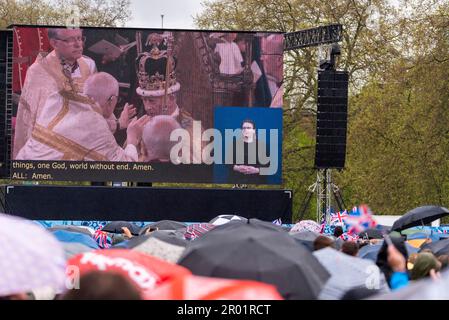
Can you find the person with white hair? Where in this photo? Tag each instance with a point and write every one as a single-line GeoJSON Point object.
{"type": "Point", "coordinates": [272, 60]}
{"type": "Point", "coordinates": [74, 127]}
{"type": "Point", "coordinates": [156, 143]}
{"type": "Point", "coordinates": [64, 68]}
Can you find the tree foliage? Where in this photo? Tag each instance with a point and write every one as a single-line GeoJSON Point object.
{"type": "Point", "coordinates": [100, 13]}
{"type": "Point", "coordinates": [398, 112]}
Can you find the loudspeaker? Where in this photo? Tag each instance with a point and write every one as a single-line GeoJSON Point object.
{"type": "Point", "coordinates": [332, 119]}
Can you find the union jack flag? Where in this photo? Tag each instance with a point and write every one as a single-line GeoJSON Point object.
{"type": "Point", "coordinates": [360, 219]}
{"type": "Point", "coordinates": [323, 226]}
{"type": "Point", "coordinates": [102, 239]}
{"type": "Point", "coordinates": [338, 217]}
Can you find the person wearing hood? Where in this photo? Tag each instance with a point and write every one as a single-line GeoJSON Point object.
{"type": "Point", "coordinates": [426, 265]}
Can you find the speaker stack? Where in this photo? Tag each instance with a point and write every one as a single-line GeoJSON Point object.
{"type": "Point", "coordinates": [332, 119]}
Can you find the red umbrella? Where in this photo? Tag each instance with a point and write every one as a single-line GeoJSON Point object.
{"type": "Point", "coordinates": [203, 288]}
{"type": "Point", "coordinates": [146, 271]}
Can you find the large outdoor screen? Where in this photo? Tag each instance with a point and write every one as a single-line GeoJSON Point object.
{"type": "Point", "coordinates": [147, 105]}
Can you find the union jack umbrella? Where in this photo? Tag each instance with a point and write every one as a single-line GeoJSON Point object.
{"type": "Point", "coordinates": [103, 240]}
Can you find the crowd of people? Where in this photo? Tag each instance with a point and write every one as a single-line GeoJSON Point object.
{"type": "Point", "coordinates": [123, 261]}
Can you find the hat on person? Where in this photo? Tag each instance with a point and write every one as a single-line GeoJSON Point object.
{"type": "Point", "coordinates": [423, 264]}
{"type": "Point", "coordinates": [156, 67]}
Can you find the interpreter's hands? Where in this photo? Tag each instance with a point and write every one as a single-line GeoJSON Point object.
{"type": "Point", "coordinates": [396, 260]}
{"type": "Point", "coordinates": [135, 129]}
{"type": "Point", "coordinates": [129, 111]}
{"type": "Point", "coordinates": [246, 169]}
{"type": "Point", "coordinates": [251, 170]}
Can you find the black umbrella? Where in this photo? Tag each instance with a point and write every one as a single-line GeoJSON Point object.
{"type": "Point", "coordinates": [168, 236]}
{"type": "Point", "coordinates": [255, 252]}
{"type": "Point", "coordinates": [306, 238]}
{"type": "Point", "coordinates": [372, 234]}
{"type": "Point", "coordinates": [438, 247]}
{"type": "Point", "coordinates": [116, 227]}
{"type": "Point", "coordinates": [255, 222]}
{"type": "Point", "coordinates": [163, 225]}
{"type": "Point", "coordinates": [419, 216]}
{"type": "Point", "coordinates": [164, 244]}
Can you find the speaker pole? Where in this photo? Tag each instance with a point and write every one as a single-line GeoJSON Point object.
{"type": "Point", "coordinates": [338, 197]}
{"type": "Point", "coordinates": [306, 201]}
{"type": "Point", "coordinates": [321, 195]}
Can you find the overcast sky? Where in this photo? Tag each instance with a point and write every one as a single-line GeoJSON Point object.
{"type": "Point", "coordinates": [178, 14]}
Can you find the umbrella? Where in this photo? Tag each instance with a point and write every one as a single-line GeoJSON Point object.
{"type": "Point", "coordinates": [417, 235]}
{"type": "Point", "coordinates": [196, 230]}
{"type": "Point", "coordinates": [163, 225]}
{"type": "Point", "coordinates": [83, 230]}
{"type": "Point", "coordinates": [166, 245]}
{"type": "Point", "coordinates": [347, 272]}
{"type": "Point", "coordinates": [306, 225]}
{"type": "Point", "coordinates": [74, 237]}
{"type": "Point", "coordinates": [75, 243]}
{"type": "Point", "coordinates": [410, 231]}
{"type": "Point", "coordinates": [225, 218]}
{"type": "Point", "coordinates": [306, 238]}
{"type": "Point", "coordinates": [30, 257]}
{"type": "Point", "coordinates": [205, 288]}
{"type": "Point", "coordinates": [255, 252]}
{"type": "Point", "coordinates": [116, 227]}
{"type": "Point", "coordinates": [438, 248]}
{"type": "Point", "coordinates": [416, 243]}
{"type": "Point", "coordinates": [145, 271]}
{"type": "Point", "coordinates": [372, 233]}
{"type": "Point", "coordinates": [419, 216]}
{"type": "Point", "coordinates": [425, 289]}
{"type": "Point", "coordinates": [255, 222]}
{"type": "Point", "coordinates": [72, 249]}
{"type": "Point", "coordinates": [370, 251]}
